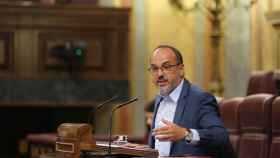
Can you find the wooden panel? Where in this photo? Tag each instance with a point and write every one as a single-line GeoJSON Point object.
{"type": "Point", "coordinates": [6, 51]}
{"type": "Point", "coordinates": [101, 54]}
{"type": "Point", "coordinates": [95, 48]}
{"type": "Point", "coordinates": [39, 28]}
{"type": "Point", "coordinates": [66, 17]}
{"type": "Point", "coordinates": [2, 52]}
{"type": "Point", "coordinates": [47, 104]}
{"type": "Point", "coordinates": [39, 76]}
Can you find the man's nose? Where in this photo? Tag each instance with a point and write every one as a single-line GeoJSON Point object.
{"type": "Point", "coordinates": [160, 72]}
{"type": "Point", "coordinates": [160, 76]}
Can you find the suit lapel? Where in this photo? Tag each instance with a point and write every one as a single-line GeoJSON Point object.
{"type": "Point", "coordinates": [157, 102]}
{"type": "Point", "coordinates": [182, 102]}
{"type": "Point", "coordinates": [181, 105]}
{"type": "Point", "coordinates": [151, 138]}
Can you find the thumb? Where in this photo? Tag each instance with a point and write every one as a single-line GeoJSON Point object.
{"type": "Point", "coordinates": [166, 122]}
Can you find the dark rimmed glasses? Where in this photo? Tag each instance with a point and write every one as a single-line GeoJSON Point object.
{"type": "Point", "coordinates": [163, 68]}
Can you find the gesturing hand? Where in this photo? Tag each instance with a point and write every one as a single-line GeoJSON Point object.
{"type": "Point", "coordinates": [169, 132]}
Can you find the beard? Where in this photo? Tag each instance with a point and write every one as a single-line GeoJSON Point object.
{"type": "Point", "coordinates": [166, 86]}
{"type": "Point", "coordinates": [166, 90]}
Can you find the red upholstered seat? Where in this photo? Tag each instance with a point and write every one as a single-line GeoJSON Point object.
{"type": "Point", "coordinates": [275, 120]}
{"type": "Point", "coordinates": [262, 82]}
{"type": "Point", "coordinates": [229, 109]}
{"type": "Point", "coordinates": [255, 126]}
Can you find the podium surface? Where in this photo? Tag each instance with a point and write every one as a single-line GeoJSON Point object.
{"type": "Point", "coordinates": [76, 141]}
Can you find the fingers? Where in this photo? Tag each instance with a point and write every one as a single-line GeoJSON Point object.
{"type": "Point", "coordinates": [161, 132]}
{"type": "Point", "coordinates": [170, 132]}
{"type": "Point", "coordinates": [167, 122]}
{"type": "Point", "coordinates": [164, 128]}
{"type": "Point", "coordinates": [160, 129]}
{"type": "Point", "coordinates": [166, 137]}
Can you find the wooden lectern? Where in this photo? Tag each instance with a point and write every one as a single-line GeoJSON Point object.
{"type": "Point", "coordinates": [76, 139]}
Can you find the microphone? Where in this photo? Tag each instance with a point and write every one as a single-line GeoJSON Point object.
{"type": "Point", "coordinates": [111, 120]}
{"type": "Point", "coordinates": [91, 115]}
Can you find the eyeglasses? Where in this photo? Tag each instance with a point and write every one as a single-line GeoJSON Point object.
{"type": "Point", "coordinates": [163, 68]}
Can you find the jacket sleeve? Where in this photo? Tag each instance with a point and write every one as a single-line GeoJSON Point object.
{"type": "Point", "coordinates": [210, 126]}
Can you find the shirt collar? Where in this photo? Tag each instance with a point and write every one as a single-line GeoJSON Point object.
{"type": "Point", "coordinates": [175, 94]}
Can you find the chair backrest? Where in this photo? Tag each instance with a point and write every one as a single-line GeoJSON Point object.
{"type": "Point", "coordinates": [262, 82]}
{"type": "Point", "coordinates": [255, 126]}
{"type": "Point", "coordinates": [277, 81]}
{"type": "Point", "coordinates": [275, 121]}
{"type": "Point", "coordinates": [229, 109]}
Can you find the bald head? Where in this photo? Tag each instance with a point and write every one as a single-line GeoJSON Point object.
{"type": "Point", "coordinates": [174, 50]}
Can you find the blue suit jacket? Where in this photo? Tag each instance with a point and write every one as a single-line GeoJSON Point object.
{"type": "Point", "coordinates": [198, 110]}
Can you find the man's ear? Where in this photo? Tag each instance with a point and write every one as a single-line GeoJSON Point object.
{"type": "Point", "coordinates": [182, 72]}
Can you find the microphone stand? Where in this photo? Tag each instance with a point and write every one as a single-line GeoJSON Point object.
{"type": "Point", "coordinates": [91, 115]}
{"type": "Point", "coordinates": [111, 121]}
{"type": "Point", "coordinates": [110, 131]}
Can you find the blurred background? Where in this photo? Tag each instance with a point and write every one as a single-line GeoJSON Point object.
{"type": "Point", "coordinates": [60, 58]}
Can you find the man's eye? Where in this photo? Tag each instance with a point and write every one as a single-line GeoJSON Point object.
{"type": "Point", "coordinates": [154, 68]}
{"type": "Point", "coordinates": [166, 66]}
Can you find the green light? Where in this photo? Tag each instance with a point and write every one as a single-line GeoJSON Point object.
{"type": "Point", "coordinates": [78, 52]}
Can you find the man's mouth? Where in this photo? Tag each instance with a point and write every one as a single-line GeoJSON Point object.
{"type": "Point", "coordinates": [162, 82]}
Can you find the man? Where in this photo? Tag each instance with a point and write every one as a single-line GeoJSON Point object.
{"type": "Point", "coordinates": [186, 119]}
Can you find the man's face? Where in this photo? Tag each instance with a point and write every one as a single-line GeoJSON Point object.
{"type": "Point", "coordinates": [166, 72]}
